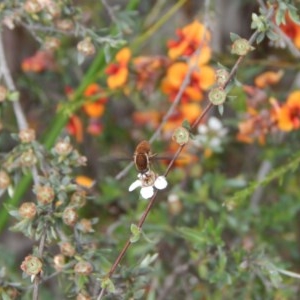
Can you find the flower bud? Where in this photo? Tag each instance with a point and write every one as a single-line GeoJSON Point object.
{"type": "Point", "coordinates": [51, 43]}
{"type": "Point", "coordinates": [86, 47]}
{"type": "Point", "coordinates": [4, 180]}
{"type": "Point", "coordinates": [70, 216]}
{"type": "Point", "coordinates": [65, 25]}
{"type": "Point", "coordinates": [3, 93]}
{"type": "Point", "coordinates": [174, 204]}
{"type": "Point", "coordinates": [45, 194]}
{"type": "Point", "coordinates": [78, 198]}
{"type": "Point", "coordinates": [180, 136]}
{"type": "Point", "coordinates": [217, 96]}
{"type": "Point", "coordinates": [63, 148]}
{"type": "Point", "coordinates": [32, 6]}
{"type": "Point", "coordinates": [27, 210]}
{"type": "Point", "coordinates": [59, 262]}
{"type": "Point", "coordinates": [83, 296]}
{"type": "Point", "coordinates": [85, 225]}
{"type": "Point", "coordinates": [53, 9]}
{"type": "Point", "coordinates": [83, 268]}
{"type": "Point", "coordinates": [241, 47]}
{"type": "Point", "coordinates": [31, 265]}
{"type": "Point", "coordinates": [222, 77]}
{"type": "Point", "coordinates": [28, 158]}
{"type": "Point", "coordinates": [67, 249]}
{"type": "Point", "coordinates": [27, 135]}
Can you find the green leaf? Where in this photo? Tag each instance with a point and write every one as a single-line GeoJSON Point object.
{"type": "Point", "coordinates": [234, 36]}
{"type": "Point", "coordinates": [293, 13]}
{"type": "Point", "coordinates": [136, 233]}
{"type": "Point", "coordinates": [186, 124]}
{"type": "Point", "coordinates": [193, 235]}
{"type": "Point", "coordinates": [13, 96]}
{"type": "Point", "coordinates": [106, 283]}
{"type": "Point", "coordinates": [221, 109]}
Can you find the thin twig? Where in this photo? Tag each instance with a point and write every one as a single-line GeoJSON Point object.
{"type": "Point", "coordinates": [4, 70]}
{"type": "Point", "coordinates": [152, 200]}
{"type": "Point", "coordinates": [110, 11]}
{"type": "Point", "coordinates": [17, 108]}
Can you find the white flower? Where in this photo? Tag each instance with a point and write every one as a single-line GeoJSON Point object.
{"type": "Point", "coordinates": [148, 181]}
{"type": "Point", "coordinates": [211, 135]}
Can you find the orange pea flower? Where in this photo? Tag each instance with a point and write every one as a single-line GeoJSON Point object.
{"type": "Point", "coordinates": [187, 111]}
{"type": "Point", "coordinates": [39, 62]}
{"type": "Point", "coordinates": [150, 119]}
{"type": "Point", "coordinates": [148, 70]}
{"type": "Point", "coordinates": [268, 78]}
{"type": "Point", "coordinates": [94, 127]}
{"type": "Point", "coordinates": [292, 30]}
{"type": "Point", "coordinates": [94, 108]}
{"type": "Point", "coordinates": [118, 71]}
{"type": "Point", "coordinates": [189, 39]}
{"type": "Point", "coordinates": [288, 116]}
{"type": "Point", "coordinates": [84, 181]}
{"type": "Point", "coordinates": [75, 128]}
{"type": "Point", "coordinates": [200, 80]}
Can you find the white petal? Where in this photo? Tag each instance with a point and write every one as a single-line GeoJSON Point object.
{"type": "Point", "coordinates": [161, 182]}
{"type": "Point", "coordinates": [214, 124]}
{"type": "Point", "coordinates": [135, 185]}
{"type": "Point", "coordinates": [215, 142]}
{"type": "Point", "coordinates": [147, 192]}
{"type": "Point", "coordinates": [202, 129]}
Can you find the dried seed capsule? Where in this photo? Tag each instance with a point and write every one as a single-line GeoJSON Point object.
{"type": "Point", "coordinates": [45, 194]}
{"type": "Point", "coordinates": [59, 262]}
{"type": "Point", "coordinates": [181, 136]}
{"type": "Point", "coordinates": [222, 76]}
{"type": "Point", "coordinates": [70, 216]}
{"type": "Point", "coordinates": [27, 210]}
{"type": "Point", "coordinates": [28, 158]}
{"type": "Point", "coordinates": [31, 265]}
{"type": "Point", "coordinates": [27, 135]}
{"type": "Point", "coordinates": [67, 249]}
{"type": "Point", "coordinates": [78, 198]}
{"type": "Point", "coordinates": [86, 47]}
{"type": "Point", "coordinates": [83, 268]}
{"type": "Point", "coordinates": [4, 180]}
{"type": "Point", "coordinates": [32, 6]}
{"type": "Point", "coordinates": [63, 148]}
{"type": "Point", "coordinates": [241, 47]}
{"type": "Point", "coordinates": [217, 96]}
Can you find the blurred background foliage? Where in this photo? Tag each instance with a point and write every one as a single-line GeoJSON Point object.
{"type": "Point", "coordinates": [226, 227]}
